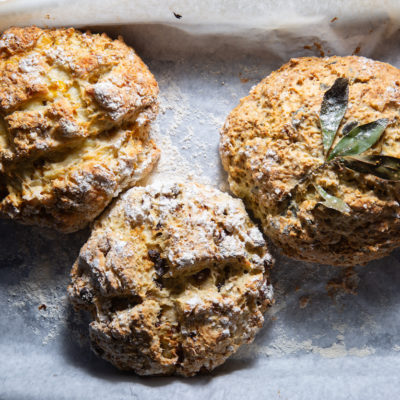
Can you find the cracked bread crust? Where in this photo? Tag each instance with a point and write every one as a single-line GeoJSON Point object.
{"type": "Point", "coordinates": [75, 110]}
{"type": "Point", "coordinates": [271, 147]}
{"type": "Point", "coordinates": [176, 278]}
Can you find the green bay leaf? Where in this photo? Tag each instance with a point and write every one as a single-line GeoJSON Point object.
{"type": "Point", "coordinates": [332, 201]}
{"type": "Point", "coordinates": [384, 167]}
{"type": "Point", "coordinates": [332, 110]}
{"type": "Point", "coordinates": [360, 139]}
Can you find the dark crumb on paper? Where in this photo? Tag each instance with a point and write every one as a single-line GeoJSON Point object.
{"type": "Point", "coordinates": [333, 19]}
{"type": "Point", "coordinates": [42, 307]}
{"type": "Point", "coordinates": [177, 15]}
{"type": "Point", "coordinates": [242, 79]}
{"type": "Point", "coordinates": [47, 16]}
{"type": "Point", "coordinates": [318, 46]}
{"type": "Point", "coordinates": [357, 51]}
{"type": "Point", "coordinates": [303, 302]}
{"type": "Point", "coordinates": [346, 283]}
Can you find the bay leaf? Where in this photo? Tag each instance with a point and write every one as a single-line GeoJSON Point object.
{"type": "Point", "coordinates": [360, 139]}
{"type": "Point", "coordinates": [332, 110]}
{"type": "Point", "coordinates": [332, 201]}
{"type": "Point", "coordinates": [384, 167]}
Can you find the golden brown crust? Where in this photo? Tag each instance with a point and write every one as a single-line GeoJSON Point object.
{"type": "Point", "coordinates": [175, 276]}
{"type": "Point", "coordinates": [17, 40]}
{"type": "Point", "coordinates": [60, 90]}
{"type": "Point", "coordinates": [272, 140]}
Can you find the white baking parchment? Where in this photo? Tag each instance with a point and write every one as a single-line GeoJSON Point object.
{"type": "Point", "coordinates": [332, 334]}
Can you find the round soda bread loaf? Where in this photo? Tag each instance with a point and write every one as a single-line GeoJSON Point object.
{"type": "Point", "coordinates": [272, 148]}
{"type": "Point", "coordinates": [75, 110]}
{"type": "Point", "coordinates": [176, 278]}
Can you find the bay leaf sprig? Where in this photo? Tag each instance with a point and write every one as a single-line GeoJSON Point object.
{"type": "Point", "coordinates": [356, 140]}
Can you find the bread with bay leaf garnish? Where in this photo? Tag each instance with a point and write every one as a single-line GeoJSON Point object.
{"type": "Point", "coordinates": [314, 152]}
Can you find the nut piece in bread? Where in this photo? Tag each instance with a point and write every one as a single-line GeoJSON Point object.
{"type": "Point", "coordinates": [271, 146]}
{"type": "Point", "coordinates": [75, 110]}
{"type": "Point", "coordinates": [176, 278]}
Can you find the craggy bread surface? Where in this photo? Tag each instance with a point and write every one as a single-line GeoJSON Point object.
{"type": "Point", "coordinates": [176, 279]}
{"type": "Point", "coordinates": [271, 147]}
{"type": "Point", "coordinates": [74, 124]}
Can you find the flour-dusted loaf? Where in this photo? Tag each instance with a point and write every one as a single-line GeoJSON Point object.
{"type": "Point", "coordinates": [176, 278]}
{"type": "Point", "coordinates": [273, 140]}
{"type": "Point", "coordinates": [75, 110]}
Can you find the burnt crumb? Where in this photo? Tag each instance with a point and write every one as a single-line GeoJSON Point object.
{"type": "Point", "coordinates": [303, 301]}
{"type": "Point", "coordinates": [86, 295]}
{"type": "Point", "coordinates": [178, 16]}
{"type": "Point", "coordinates": [158, 281]}
{"type": "Point", "coordinates": [192, 334]}
{"type": "Point", "coordinates": [180, 353]}
{"type": "Point", "coordinates": [219, 286]}
{"type": "Point", "coordinates": [334, 19]}
{"type": "Point", "coordinates": [317, 46]}
{"type": "Point", "coordinates": [243, 80]}
{"type": "Point", "coordinates": [160, 264]}
{"type": "Point", "coordinates": [357, 51]}
{"type": "Point", "coordinates": [42, 307]}
{"type": "Point", "coordinates": [158, 226]}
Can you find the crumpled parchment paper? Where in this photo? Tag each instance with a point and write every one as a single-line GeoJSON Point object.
{"type": "Point", "coordinates": [331, 334]}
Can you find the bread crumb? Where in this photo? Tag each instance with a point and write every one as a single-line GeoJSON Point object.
{"type": "Point", "coordinates": [303, 302]}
